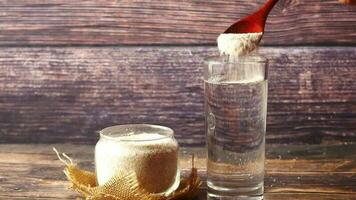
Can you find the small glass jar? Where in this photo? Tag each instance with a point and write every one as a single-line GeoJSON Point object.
{"type": "Point", "coordinates": [149, 150]}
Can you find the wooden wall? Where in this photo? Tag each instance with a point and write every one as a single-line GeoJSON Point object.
{"type": "Point", "coordinates": [70, 68]}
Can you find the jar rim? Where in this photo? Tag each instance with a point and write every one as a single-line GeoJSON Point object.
{"type": "Point", "coordinates": [118, 132]}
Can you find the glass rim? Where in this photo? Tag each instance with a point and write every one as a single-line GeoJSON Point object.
{"type": "Point", "coordinates": [129, 129]}
{"type": "Point", "coordinates": [224, 59]}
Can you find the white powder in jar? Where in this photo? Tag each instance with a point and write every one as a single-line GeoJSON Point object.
{"type": "Point", "coordinates": [238, 44]}
{"type": "Point", "coordinates": [153, 157]}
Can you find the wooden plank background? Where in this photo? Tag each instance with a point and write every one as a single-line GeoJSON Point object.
{"type": "Point", "coordinates": [66, 94]}
{"type": "Point", "coordinates": [69, 68]}
{"type": "Point", "coordinates": [114, 22]}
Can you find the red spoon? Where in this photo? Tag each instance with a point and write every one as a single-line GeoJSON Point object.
{"type": "Point", "coordinates": [254, 23]}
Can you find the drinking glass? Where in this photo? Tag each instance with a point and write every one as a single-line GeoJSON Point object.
{"type": "Point", "coordinates": [235, 93]}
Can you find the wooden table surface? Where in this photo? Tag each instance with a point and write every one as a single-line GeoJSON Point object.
{"type": "Point", "coordinates": [32, 171]}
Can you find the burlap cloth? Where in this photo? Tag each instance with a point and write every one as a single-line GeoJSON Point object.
{"type": "Point", "coordinates": [124, 186]}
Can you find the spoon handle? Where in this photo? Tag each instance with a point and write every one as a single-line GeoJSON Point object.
{"type": "Point", "coordinates": [266, 9]}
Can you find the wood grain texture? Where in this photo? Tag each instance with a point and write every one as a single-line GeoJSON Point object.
{"type": "Point", "coordinates": [34, 172]}
{"type": "Point", "coordinates": [104, 22]}
{"type": "Point", "coordinates": [67, 94]}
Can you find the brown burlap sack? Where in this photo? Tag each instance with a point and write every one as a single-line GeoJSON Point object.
{"type": "Point", "coordinates": [124, 186]}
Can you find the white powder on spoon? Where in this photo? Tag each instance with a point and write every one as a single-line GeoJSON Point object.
{"type": "Point", "coordinates": [238, 44]}
{"type": "Point", "coordinates": [152, 156]}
